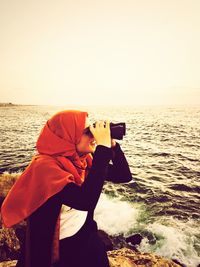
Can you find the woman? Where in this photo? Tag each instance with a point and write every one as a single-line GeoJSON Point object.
{"type": "Point", "coordinates": [58, 192]}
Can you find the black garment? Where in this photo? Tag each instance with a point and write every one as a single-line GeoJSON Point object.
{"type": "Point", "coordinates": [86, 196]}
{"type": "Point", "coordinates": [84, 248]}
{"type": "Point", "coordinates": [36, 251]}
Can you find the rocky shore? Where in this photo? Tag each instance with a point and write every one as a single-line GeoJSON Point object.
{"type": "Point", "coordinates": [7, 104]}
{"type": "Point", "coordinates": [121, 251]}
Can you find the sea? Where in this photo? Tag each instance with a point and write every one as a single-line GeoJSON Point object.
{"type": "Point", "coordinates": [162, 147]}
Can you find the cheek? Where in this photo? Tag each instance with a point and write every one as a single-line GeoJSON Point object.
{"type": "Point", "coordinates": [85, 141]}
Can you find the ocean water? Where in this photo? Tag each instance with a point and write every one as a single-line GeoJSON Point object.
{"type": "Point", "coordinates": [162, 146]}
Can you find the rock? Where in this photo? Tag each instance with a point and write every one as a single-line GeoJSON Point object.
{"type": "Point", "coordinates": [119, 241]}
{"type": "Point", "coordinates": [6, 182]}
{"type": "Point", "coordinates": [114, 242]}
{"type": "Point", "coordinates": [8, 263]}
{"type": "Point", "coordinates": [9, 241]}
{"type": "Point", "coordinates": [128, 258]}
{"type": "Point", "coordinates": [134, 239]}
{"type": "Point", "coordinates": [121, 261]}
{"type": "Point", "coordinates": [181, 264]}
{"type": "Point", "coordinates": [9, 245]}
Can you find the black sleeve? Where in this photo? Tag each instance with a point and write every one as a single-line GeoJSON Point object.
{"type": "Point", "coordinates": [85, 197]}
{"type": "Point", "coordinates": [119, 171]}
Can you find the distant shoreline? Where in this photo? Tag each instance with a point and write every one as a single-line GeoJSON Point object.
{"type": "Point", "coordinates": [13, 105]}
{"type": "Point", "coordinates": [9, 104]}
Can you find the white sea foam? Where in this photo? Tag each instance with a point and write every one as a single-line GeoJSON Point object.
{"type": "Point", "coordinates": [175, 240]}
{"type": "Point", "coordinates": [115, 216]}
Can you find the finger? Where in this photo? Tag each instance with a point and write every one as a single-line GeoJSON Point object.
{"type": "Point", "coordinates": [97, 123]}
{"type": "Point", "coordinates": [104, 123]}
{"type": "Point", "coordinates": [101, 123]}
{"type": "Point", "coordinates": [107, 123]}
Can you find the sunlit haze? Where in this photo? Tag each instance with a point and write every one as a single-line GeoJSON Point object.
{"type": "Point", "coordinates": [100, 52]}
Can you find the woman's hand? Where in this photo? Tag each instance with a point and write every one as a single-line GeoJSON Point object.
{"type": "Point", "coordinates": [101, 133]}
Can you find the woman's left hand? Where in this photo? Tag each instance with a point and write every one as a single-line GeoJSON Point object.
{"type": "Point", "coordinates": [113, 142]}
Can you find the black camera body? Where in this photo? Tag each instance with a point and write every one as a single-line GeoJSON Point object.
{"type": "Point", "coordinates": [117, 130]}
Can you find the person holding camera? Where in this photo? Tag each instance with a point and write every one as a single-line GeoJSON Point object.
{"type": "Point", "coordinates": [59, 190]}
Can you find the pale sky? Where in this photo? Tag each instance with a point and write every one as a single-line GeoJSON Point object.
{"type": "Point", "coordinates": [100, 52]}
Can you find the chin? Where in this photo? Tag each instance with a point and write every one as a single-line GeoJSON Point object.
{"type": "Point", "coordinates": [92, 149]}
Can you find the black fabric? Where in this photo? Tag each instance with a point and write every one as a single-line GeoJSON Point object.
{"type": "Point", "coordinates": [119, 171]}
{"type": "Point", "coordinates": [84, 249]}
{"type": "Point", "coordinates": [41, 223]}
{"type": "Point", "coordinates": [39, 235]}
{"type": "Point", "coordinates": [86, 196]}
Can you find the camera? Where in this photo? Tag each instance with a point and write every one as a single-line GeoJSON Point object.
{"type": "Point", "coordinates": [117, 130]}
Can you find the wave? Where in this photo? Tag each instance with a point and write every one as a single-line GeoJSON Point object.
{"type": "Point", "coordinates": [165, 236]}
{"type": "Point", "coordinates": [183, 187]}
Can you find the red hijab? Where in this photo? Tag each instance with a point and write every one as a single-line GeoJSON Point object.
{"type": "Point", "coordinates": [56, 164]}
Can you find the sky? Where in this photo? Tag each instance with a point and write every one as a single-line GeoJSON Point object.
{"type": "Point", "coordinates": [128, 52]}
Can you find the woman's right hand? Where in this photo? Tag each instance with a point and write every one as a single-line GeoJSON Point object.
{"type": "Point", "coordinates": [101, 134]}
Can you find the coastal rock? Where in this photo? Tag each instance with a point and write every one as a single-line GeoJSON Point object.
{"type": "Point", "coordinates": [114, 242]}
{"type": "Point", "coordinates": [6, 182]}
{"type": "Point", "coordinates": [8, 263]}
{"type": "Point", "coordinates": [119, 241]}
{"type": "Point", "coordinates": [125, 257]}
{"type": "Point", "coordinates": [134, 239]}
{"type": "Point", "coordinates": [8, 104]}
{"type": "Point", "coordinates": [9, 244]}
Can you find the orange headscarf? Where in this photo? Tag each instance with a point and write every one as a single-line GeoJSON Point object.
{"type": "Point", "coordinates": [56, 164]}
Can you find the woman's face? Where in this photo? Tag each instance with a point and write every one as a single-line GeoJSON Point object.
{"type": "Point", "coordinates": [87, 143]}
